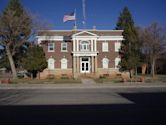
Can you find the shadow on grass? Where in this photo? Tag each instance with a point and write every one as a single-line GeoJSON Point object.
{"type": "Point", "coordinates": [148, 109]}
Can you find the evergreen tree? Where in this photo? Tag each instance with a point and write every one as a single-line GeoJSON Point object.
{"type": "Point", "coordinates": [15, 29]}
{"type": "Point", "coordinates": [130, 45]}
{"type": "Point", "coordinates": [34, 60]}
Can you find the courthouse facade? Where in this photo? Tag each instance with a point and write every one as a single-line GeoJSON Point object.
{"type": "Point", "coordinates": [76, 53]}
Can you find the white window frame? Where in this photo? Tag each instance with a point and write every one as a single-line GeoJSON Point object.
{"type": "Point", "coordinates": [105, 63]}
{"type": "Point", "coordinates": [117, 60]}
{"type": "Point", "coordinates": [63, 44]}
{"type": "Point", "coordinates": [63, 63]}
{"type": "Point", "coordinates": [51, 64]}
{"type": "Point", "coordinates": [49, 47]}
{"type": "Point", "coordinates": [117, 46]}
{"type": "Point", "coordinates": [84, 46]}
{"type": "Point", "coordinates": [105, 46]}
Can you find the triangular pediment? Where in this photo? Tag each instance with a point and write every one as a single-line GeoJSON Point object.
{"type": "Point", "coordinates": [85, 33]}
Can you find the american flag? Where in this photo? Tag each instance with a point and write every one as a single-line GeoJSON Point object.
{"type": "Point", "coordinates": [69, 17]}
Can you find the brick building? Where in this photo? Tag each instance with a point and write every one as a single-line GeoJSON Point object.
{"type": "Point", "coordinates": [78, 53]}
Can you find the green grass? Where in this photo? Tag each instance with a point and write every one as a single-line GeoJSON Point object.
{"type": "Point", "coordinates": [107, 80]}
{"type": "Point", "coordinates": [46, 81]}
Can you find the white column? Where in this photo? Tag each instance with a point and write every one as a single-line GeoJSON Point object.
{"type": "Point", "coordinates": [92, 64]}
{"type": "Point", "coordinates": [91, 45]}
{"type": "Point", "coordinates": [95, 45]}
{"type": "Point", "coordinates": [77, 45]}
{"type": "Point", "coordinates": [74, 45]}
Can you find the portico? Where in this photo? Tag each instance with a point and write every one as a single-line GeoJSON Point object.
{"type": "Point", "coordinates": [84, 53]}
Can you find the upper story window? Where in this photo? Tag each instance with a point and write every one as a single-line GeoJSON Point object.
{"type": "Point", "coordinates": [105, 63]}
{"type": "Point", "coordinates": [64, 47]}
{"type": "Point", "coordinates": [84, 46]}
{"type": "Point", "coordinates": [51, 47]}
{"type": "Point", "coordinates": [51, 63]}
{"type": "Point", "coordinates": [105, 46]}
{"type": "Point", "coordinates": [117, 46]}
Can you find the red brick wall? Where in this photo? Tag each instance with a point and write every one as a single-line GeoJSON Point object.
{"type": "Point", "coordinates": [58, 55]}
{"type": "Point", "coordinates": [111, 54]}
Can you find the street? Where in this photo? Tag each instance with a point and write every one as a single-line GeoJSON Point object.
{"type": "Point", "coordinates": [83, 106]}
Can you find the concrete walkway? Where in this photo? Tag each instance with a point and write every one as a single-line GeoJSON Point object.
{"type": "Point", "coordinates": [88, 81]}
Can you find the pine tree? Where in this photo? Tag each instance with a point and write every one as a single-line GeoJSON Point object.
{"type": "Point", "coordinates": [129, 51]}
{"type": "Point", "coordinates": [15, 29]}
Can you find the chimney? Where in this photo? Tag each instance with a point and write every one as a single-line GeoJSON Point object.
{"type": "Point", "coordinates": [94, 27]}
{"type": "Point", "coordinates": [74, 27]}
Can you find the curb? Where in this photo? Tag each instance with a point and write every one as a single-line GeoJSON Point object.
{"type": "Point", "coordinates": [80, 86]}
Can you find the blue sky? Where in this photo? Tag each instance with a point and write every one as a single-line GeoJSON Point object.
{"type": "Point", "coordinates": [100, 13]}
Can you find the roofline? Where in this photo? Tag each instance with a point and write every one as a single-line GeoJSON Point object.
{"type": "Point", "coordinates": [80, 30]}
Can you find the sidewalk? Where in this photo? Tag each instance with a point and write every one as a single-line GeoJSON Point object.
{"type": "Point", "coordinates": [81, 85]}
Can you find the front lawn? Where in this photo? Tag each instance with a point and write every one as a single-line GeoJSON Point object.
{"type": "Point", "coordinates": [108, 80]}
{"type": "Point", "coordinates": [157, 78]}
{"type": "Point", "coordinates": [148, 79]}
{"type": "Point", "coordinates": [47, 81]}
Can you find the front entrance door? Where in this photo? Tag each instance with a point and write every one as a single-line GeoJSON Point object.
{"type": "Point", "coordinates": [85, 65]}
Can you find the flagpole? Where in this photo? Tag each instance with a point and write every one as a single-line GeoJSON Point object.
{"type": "Point", "coordinates": [84, 14]}
{"type": "Point", "coordinates": [75, 22]}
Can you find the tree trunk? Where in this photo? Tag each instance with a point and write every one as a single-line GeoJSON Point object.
{"type": "Point", "coordinates": [153, 68]}
{"type": "Point", "coordinates": [144, 67]}
{"type": "Point", "coordinates": [38, 74]}
{"type": "Point", "coordinates": [131, 73]}
{"type": "Point", "coordinates": [12, 64]}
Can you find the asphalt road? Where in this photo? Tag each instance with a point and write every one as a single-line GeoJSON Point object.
{"type": "Point", "coordinates": [131, 106]}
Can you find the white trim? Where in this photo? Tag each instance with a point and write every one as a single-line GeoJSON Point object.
{"type": "Point", "coordinates": [83, 53]}
{"type": "Point", "coordinates": [101, 38]}
{"type": "Point", "coordinates": [49, 38]}
{"type": "Point", "coordinates": [77, 34]}
{"type": "Point", "coordinates": [61, 38]}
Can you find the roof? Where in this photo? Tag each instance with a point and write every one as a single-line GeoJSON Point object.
{"type": "Point", "coordinates": [72, 32]}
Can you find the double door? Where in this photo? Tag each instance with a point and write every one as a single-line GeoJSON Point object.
{"type": "Point", "coordinates": [85, 65]}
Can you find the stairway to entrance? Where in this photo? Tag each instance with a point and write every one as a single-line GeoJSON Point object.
{"type": "Point", "coordinates": [87, 81]}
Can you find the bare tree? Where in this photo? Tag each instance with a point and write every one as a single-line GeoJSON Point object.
{"type": "Point", "coordinates": [154, 44]}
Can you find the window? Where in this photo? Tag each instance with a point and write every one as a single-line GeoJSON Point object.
{"type": "Point", "coordinates": [51, 64]}
{"type": "Point", "coordinates": [117, 60]}
{"type": "Point", "coordinates": [64, 63]}
{"type": "Point", "coordinates": [64, 47]}
{"type": "Point", "coordinates": [117, 46]}
{"type": "Point", "coordinates": [105, 46]}
{"type": "Point", "coordinates": [84, 46]}
{"type": "Point", "coordinates": [105, 63]}
{"type": "Point", "coordinates": [51, 47]}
